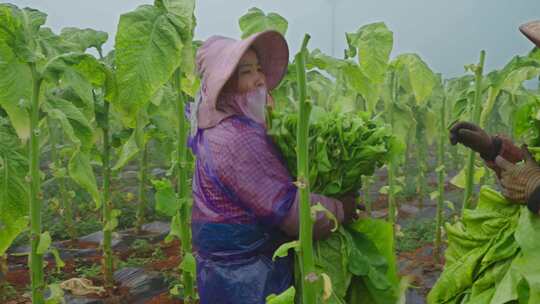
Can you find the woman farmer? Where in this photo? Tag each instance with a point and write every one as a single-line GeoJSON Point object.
{"type": "Point", "coordinates": [245, 200]}
{"type": "Point", "coordinates": [520, 183]}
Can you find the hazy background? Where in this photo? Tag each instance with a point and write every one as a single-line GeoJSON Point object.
{"type": "Point", "coordinates": [447, 34]}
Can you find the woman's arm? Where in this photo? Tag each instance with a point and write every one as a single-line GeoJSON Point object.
{"type": "Point", "coordinates": [323, 225]}
{"type": "Point", "coordinates": [249, 166]}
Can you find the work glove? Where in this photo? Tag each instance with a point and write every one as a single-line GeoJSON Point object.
{"type": "Point", "coordinates": [521, 182]}
{"type": "Point", "coordinates": [475, 138]}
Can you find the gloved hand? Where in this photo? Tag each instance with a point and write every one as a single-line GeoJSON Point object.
{"type": "Point", "coordinates": [474, 137]}
{"type": "Point", "coordinates": [350, 207]}
{"type": "Point", "coordinates": [521, 183]}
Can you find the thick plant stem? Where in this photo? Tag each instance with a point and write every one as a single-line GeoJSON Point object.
{"type": "Point", "coordinates": [407, 163]}
{"type": "Point", "coordinates": [143, 164]}
{"type": "Point", "coordinates": [57, 161]}
{"type": "Point", "coordinates": [441, 174]}
{"type": "Point", "coordinates": [475, 117]}
{"type": "Point", "coordinates": [366, 181]}
{"type": "Point", "coordinates": [512, 125]}
{"type": "Point", "coordinates": [307, 261]}
{"type": "Point", "coordinates": [409, 168]}
{"type": "Point", "coordinates": [3, 268]}
{"type": "Point", "coordinates": [456, 159]}
{"type": "Point", "coordinates": [421, 161]}
{"type": "Point", "coordinates": [35, 259]}
{"type": "Point", "coordinates": [392, 162]}
{"type": "Point", "coordinates": [3, 198]}
{"type": "Point", "coordinates": [469, 179]}
{"type": "Point", "coordinates": [107, 207]}
{"type": "Point", "coordinates": [184, 212]}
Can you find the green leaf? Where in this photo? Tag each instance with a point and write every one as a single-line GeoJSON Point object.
{"type": "Point", "coordinates": [188, 263]}
{"type": "Point", "coordinates": [362, 252]}
{"type": "Point", "coordinates": [83, 39]}
{"type": "Point", "coordinates": [79, 72]}
{"type": "Point", "coordinates": [317, 59]}
{"type": "Point", "coordinates": [59, 116]}
{"type": "Point", "coordinates": [483, 256]}
{"type": "Point", "coordinates": [358, 263]}
{"type": "Point", "coordinates": [381, 233]}
{"type": "Point", "coordinates": [148, 50]}
{"type": "Point", "coordinates": [11, 228]}
{"type": "Point", "coordinates": [431, 123]}
{"type": "Point", "coordinates": [459, 179]}
{"type": "Point", "coordinates": [175, 291]}
{"type": "Point", "coordinates": [14, 192]}
{"type": "Point", "coordinates": [176, 229]}
{"type": "Point", "coordinates": [332, 258]}
{"type": "Point", "coordinates": [377, 272]}
{"type": "Point", "coordinates": [515, 79]}
{"type": "Point", "coordinates": [59, 263]}
{"type": "Point", "coordinates": [15, 85]}
{"type": "Point", "coordinates": [74, 124]}
{"type": "Point", "coordinates": [404, 122]}
{"type": "Point", "coordinates": [255, 21]}
{"type": "Point", "coordinates": [450, 205]}
{"type": "Point", "coordinates": [113, 223]}
{"type": "Point", "coordinates": [510, 77]}
{"type": "Point", "coordinates": [534, 54]}
{"type": "Point", "coordinates": [44, 243]}
{"type": "Point", "coordinates": [181, 8]}
{"type": "Point", "coordinates": [526, 233]}
{"type": "Point", "coordinates": [51, 45]}
{"type": "Point", "coordinates": [373, 44]}
{"type": "Point", "coordinates": [128, 152]}
{"type": "Point", "coordinates": [20, 29]}
{"type": "Point", "coordinates": [190, 85]}
{"type": "Point", "coordinates": [506, 290]}
{"type": "Point", "coordinates": [81, 172]}
{"type": "Point", "coordinates": [283, 249]}
{"type": "Point", "coordinates": [362, 84]}
{"type": "Point", "coordinates": [166, 202]}
{"type": "Point", "coordinates": [56, 295]}
{"type": "Point", "coordinates": [417, 75]}
{"type": "Point", "coordinates": [385, 189]}
{"type": "Point", "coordinates": [286, 297]}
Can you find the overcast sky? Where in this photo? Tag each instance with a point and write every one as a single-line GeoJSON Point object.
{"type": "Point", "coordinates": [446, 33]}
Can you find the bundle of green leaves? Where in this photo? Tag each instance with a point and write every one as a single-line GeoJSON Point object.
{"type": "Point", "coordinates": [492, 255]}
{"type": "Point", "coordinates": [360, 263]}
{"type": "Point", "coordinates": [343, 146]}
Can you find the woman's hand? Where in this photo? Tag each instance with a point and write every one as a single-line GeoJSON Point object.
{"type": "Point", "coordinates": [519, 181]}
{"type": "Point", "coordinates": [475, 138]}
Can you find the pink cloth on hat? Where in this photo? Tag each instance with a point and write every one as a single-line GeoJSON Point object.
{"type": "Point", "coordinates": [217, 60]}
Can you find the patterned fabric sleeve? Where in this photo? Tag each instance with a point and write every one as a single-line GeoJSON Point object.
{"type": "Point", "coordinates": [249, 165]}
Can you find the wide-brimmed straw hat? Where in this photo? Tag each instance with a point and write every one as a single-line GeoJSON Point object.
{"type": "Point", "coordinates": [218, 58]}
{"type": "Point", "coordinates": [532, 31]}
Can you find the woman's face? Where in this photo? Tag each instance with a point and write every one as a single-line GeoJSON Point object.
{"type": "Point", "coordinates": [250, 75]}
